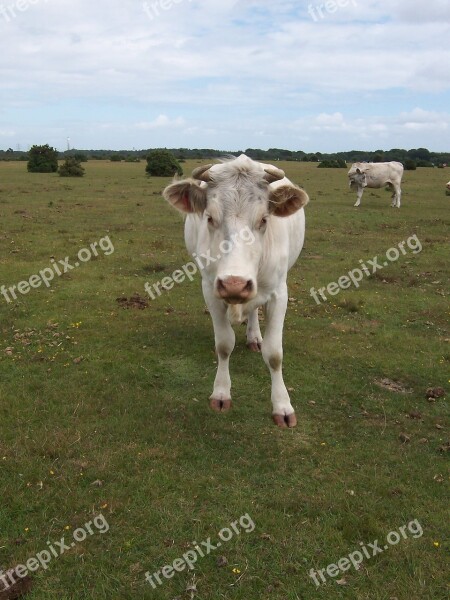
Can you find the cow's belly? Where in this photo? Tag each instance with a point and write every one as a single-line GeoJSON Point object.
{"type": "Point", "coordinates": [377, 182]}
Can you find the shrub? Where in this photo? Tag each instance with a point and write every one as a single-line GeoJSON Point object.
{"type": "Point", "coordinates": [410, 164]}
{"type": "Point", "coordinates": [71, 168]}
{"type": "Point", "coordinates": [338, 163]}
{"type": "Point", "coordinates": [162, 163]}
{"type": "Point", "coordinates": [42, 159]}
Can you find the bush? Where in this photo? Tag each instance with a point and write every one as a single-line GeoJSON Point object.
{"type": "Point", "coordinates": [71, 168]}
{"type": "Point", "coordinates": [42, 159]}
{"type": "Point", "coordinates": [116, 158]}
{"type": "Point", "coordinates": [162, 163]}
{"type": "Point", "coordinates": [410, 164]}
{"type": "Point", "coordinates": [338, 163]}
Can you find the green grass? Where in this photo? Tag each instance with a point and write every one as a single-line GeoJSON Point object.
{"type": "Point", "coordinates": [133, 413]}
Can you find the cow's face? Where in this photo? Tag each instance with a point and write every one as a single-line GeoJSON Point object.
{"type": "Point", "coordinates": [235, 209]}
{"type": "Point", "coordinates": [357, 179]}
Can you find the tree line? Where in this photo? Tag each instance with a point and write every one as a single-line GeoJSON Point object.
{"type": "Point", "coordinates": [416, 157]}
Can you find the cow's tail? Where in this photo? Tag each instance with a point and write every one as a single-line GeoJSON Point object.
{"type": "Point", "coordinates": [235, 314]}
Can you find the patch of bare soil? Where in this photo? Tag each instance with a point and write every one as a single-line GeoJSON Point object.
{"type": "Point", "coordinates": [392, 386]}
{"type": "Point", "coordinates": [136, 301]}
{"type": "Point", "coordinates": [436, 392]}
{"type": "Point", "coordinates": [18, 589]}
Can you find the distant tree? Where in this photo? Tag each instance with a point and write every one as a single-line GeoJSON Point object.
{"type": "Point", "coordinates": [419, 154]}
{"type": "Point", "coordinates": [81, 157]}
{"type": "Point", "coordinates": [410, 164]}
{"type": "Point", "coordinates": [116, 158]}
{"type": "Point", "coordinates": [162, 163]}
{"type": "Point", "coordinates": [42, 159]}
{"type": "Point", "coordinates": [71, 168]}
{"type": "Point", "coordinates": [378, 157]}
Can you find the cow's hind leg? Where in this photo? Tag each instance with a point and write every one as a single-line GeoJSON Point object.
{"type": "Point", "coordinates": [394, 196]}
{"type": "Point", "coordinates": [220, 399]}
{"type": "Point", "coordinates": [272, 351]}
{"type": "Point", "coordinates": [254, 337]}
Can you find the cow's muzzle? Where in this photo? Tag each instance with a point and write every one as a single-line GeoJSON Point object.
{"type": "Point", "coordinates": [235, 290]}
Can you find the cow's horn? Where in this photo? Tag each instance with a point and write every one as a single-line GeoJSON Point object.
{"type": "Point", "coordinates": [202, 173]}
{"type": "Point", "coordinates": [273, 174]}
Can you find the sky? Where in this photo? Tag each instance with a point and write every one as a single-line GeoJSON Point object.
{"type": "Point", "coordinates": [313, 75]}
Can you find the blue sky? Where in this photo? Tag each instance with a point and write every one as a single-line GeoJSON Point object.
{"type": "Point", "coordinates": [226, 74]}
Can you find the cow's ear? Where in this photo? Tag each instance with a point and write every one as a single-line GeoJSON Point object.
{"type": "Point", "coordinates": [358, 170]}
{"type": "Point", "coordinates": [187, 196]}
{"type": "Point", "coordinates": [285, 200]}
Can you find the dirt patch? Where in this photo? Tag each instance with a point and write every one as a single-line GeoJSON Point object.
{"type": "Point", "coordinates": [154, 268]}
{"type": "Point", "coordinates": [436, 392]}
{"type": "Point", "coordinates": [135, 301]}
{"type": "Point", "coordinates": [21, 587]}
{"type": "Point", "coordinates": [384, 278]}
{"type": "Point", "coordinates": [392, 386]}
{"type": "Point", "coordinates": [444, 448]}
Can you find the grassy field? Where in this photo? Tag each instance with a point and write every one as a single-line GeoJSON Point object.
{"type": "Point", "coordinates": [104, 409]}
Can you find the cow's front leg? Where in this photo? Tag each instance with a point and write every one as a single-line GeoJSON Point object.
{"type": "Point", "coordinates": [220, 399]}
{"type": "Point", "coordinates": [254, 337]}
{"type": "Point", "coordinates": [272, 350]}
{"type": "Point", "coordinates": [358, 197]}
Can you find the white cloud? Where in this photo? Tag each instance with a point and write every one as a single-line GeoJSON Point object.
{"type": "Point", "coordinates": [234, 67]}
{"type": "Point", "coordinates": [161, 121]}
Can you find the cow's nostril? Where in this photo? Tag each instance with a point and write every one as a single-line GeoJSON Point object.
{"type": "Point", "coordinates": [235, 288]}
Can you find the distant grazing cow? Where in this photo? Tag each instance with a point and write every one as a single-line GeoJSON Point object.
{"type": "Point", "coordinates": [251, 216]}
{"type": "Point", "coordinates": [448, 186]}
{"type": "Point", "coordinates": [377, 175]}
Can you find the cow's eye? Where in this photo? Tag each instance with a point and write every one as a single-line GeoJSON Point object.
{"type": "Point", "coordinates": [263, 222]}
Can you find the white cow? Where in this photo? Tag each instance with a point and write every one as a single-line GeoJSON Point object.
{"type": "Point", "coordinates": [251, 216]}
{"type": "Point", "coordinates": [377, 175]}
{"type": "Point", "coordinates": [448, 186]}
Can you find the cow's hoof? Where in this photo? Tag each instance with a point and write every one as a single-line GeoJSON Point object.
{"type": "Point", "coordinates": [285, 421]}
{"type": "Point", "coordinates": [220, 405]}
{"type": "Point", "coordinates": [254, 346]}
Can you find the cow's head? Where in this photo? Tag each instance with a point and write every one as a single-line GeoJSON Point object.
{"type": "Point", "coordinates": [357, 178]}
{"type": "Point", "coordinates": [235, 202]}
